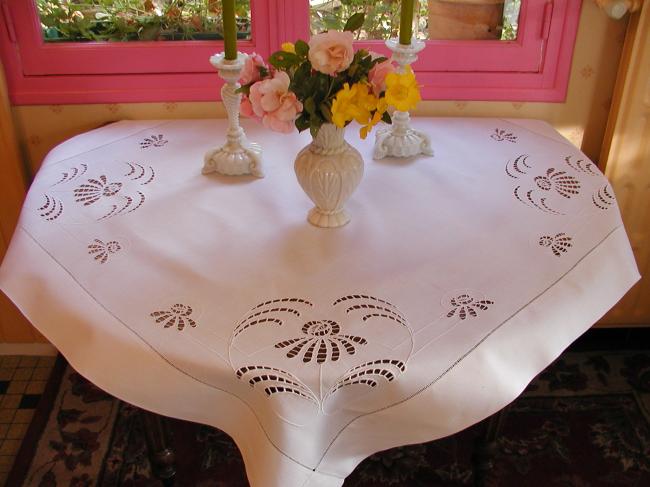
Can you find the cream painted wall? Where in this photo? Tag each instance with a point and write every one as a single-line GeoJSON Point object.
{"type": "Point", "coordinates": [581, 119]}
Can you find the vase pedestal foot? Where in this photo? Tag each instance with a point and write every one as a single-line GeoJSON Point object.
{"type": "Point", "coordinates": [323, 219]}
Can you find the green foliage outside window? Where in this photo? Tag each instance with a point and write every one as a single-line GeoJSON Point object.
{"type": "Point", "coordinates": [382, 17]}
{"type": "Point", "coordinates": [144, 20]}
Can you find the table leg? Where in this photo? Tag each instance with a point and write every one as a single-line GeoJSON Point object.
{"type": "Point", "coordinates": [485, 448]}
{"type": "Point", "coordinates": [161, 456]}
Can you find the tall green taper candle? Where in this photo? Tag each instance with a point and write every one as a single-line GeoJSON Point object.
{"type": "Point", "coordinates": [406, 22]}
{"type": "Point", "coordinates": [229, 29]}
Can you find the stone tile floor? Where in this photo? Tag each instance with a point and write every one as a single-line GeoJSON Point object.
{"type": "Point", "coordinates": [22, 381]}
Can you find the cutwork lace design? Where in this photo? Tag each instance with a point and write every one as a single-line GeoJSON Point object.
{"type": "Point", "coordinates": [539, 190]}
{"type": "Point", "coordinates": [466, 306]}
{"type": "Point", "coordinates": [322, 342]}
{"type": "Point", "coordinates": [102, 250]}
{"type": "Point", "coordinates": [178, 315]}
{"type": "Point", "coordinates": [153, 141]}
{"type": "Point", "coordinates": [501, 135]}
{"type": "Point", "coordinates": [559, 243]}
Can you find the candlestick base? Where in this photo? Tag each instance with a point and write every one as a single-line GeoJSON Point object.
{"type": "Point", "coordinates": [238, 156]}
{"type": "Point", "coordinates": [235, 159]}
{"type": "Point", "coordinates": [400, 140]}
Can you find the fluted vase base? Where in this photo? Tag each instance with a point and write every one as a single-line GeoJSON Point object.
{"type": "Point", "coordinates": [329, 170]}
{"type": "Point", "coordinates": [322, 219]}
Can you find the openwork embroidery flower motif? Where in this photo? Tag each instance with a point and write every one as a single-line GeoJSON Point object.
{"type": "Point", "coordinates": [558, 244]}
{"type": "Point", "coordinates": [51, 209]}
{"type": "Point", "coordinates": [466, 306]}
{"type": "Point", "coordinates": [500, 135]}
{"type": "Point", "coordinates": [322, 342]}
{"type": "Point", "coordinates": [95, 189]}
{"type": "Point", "coordinates": [564, 184]}
{"type": "Point", "coordinates": [603, 198]}
{"type": "Point", "coordinates": [178, 316]}
{"type": "Point", "coordinates": [72, 174]}
{"type": "Point", "coordinates": [101, 250]}
{"type": "Point", "coordinates": [153, 141]}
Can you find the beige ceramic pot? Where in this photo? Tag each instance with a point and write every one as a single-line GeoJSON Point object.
{"type": "Point", "coordinates": [329, 170]}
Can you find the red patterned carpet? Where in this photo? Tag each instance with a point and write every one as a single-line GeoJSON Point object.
{"type": "Point", "coordinates": [584, 422]}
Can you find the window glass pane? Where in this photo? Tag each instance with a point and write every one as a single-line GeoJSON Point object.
{"type": "Point", "coordinates": [137, 20]}
{"type": "Point", "coordinates": [435, 19]}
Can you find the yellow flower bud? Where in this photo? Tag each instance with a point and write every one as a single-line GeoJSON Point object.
{"type": "Point", "coordinates": [288, 47]}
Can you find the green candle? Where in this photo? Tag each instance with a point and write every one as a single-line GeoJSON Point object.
{"type": "Point", "coordinates": [229, 29]}
{"type": "Point", "coordinates": [406, 22]}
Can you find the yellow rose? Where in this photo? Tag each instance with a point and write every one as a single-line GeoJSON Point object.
{"type": "Point", "coordinates": [402, 90]}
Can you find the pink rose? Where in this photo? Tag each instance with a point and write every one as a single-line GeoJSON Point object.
{"type": "Point", "coordinates": [251, 71]}
{"type": "Point", "coordinates": [246, 108]}
{"type": "Point", "coordinates": [377, 76]}
{"type": "Point", "coordinates": [331, 52]}
{"type": "Point", "coordinates": [272, 101]}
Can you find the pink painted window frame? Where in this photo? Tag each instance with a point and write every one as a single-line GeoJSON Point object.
{"type": "Point", "coordinates": [535, 67]}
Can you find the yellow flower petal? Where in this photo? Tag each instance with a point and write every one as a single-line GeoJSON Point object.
{"type": "Point", "coordinates": [402, 90]}
{"type": "Point", "coordinates": [288, 47]}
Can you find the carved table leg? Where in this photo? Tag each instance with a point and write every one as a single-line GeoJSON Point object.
{"type": "Point", "coordinates": [161, 456]}
{"type": "Point", "coordinates": [485, 447]}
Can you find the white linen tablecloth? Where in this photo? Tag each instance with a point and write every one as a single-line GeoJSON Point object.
{"type": "Point", "coordinates": [210, 298]}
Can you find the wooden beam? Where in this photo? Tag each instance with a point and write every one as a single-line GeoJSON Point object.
{"type": "Point", "coordinates": [626, 155]}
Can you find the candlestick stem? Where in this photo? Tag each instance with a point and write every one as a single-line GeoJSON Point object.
{"type": "Point", "coordinates": [238, 156]}
{"type": "Point", "coordinates": [400, 140]}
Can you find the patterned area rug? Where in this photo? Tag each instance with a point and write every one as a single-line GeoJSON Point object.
{"type": "Point", "coordinates": [583, 422]}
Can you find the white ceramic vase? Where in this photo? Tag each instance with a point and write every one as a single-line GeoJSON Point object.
{"type": "Point", "coordinates": [329, 170]}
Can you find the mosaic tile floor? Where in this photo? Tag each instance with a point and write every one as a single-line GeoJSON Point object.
{"type": "Point", "coordinates": [22, 381]}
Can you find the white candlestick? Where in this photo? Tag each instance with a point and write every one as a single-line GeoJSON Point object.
{"type": "Point", "coordinates": [400, 140]}
{"type": "Point", "coordinates": [237, 156]}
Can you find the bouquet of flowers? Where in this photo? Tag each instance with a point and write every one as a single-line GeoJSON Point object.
{"type": "Point", "coordinates": [308, 84]}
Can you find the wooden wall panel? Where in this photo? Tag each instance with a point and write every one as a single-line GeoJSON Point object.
{"type": "Point", "coordinates": [627, 154]}
{"type": "Point", "coordinates": [13, 325]}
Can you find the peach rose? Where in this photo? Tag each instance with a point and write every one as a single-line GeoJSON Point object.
{"type": "Point", "coordinates": [377, 76]}
{"type": "Point", "coordinates": [272, 101]}
{"type": "Point", "coordinates": [251, 72]}
{"type": "Point", "coordinates": [331, 52]}
{"type": "Point", "coordinates": [246, 108]}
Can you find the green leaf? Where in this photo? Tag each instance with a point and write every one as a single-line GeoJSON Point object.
{"type": "Point", "coordinates": [302, 48]}
{"type": "Point", "coordinates": [386, 118]}
{"type": "Point", "coordinates": [302, 122]}
{"type": "Point", "coordinates": [355, 22]}
{"type": "Point", "coordinates": [326, 111]}
{"type": "Point", "coordinates": [315, 123]}
{"type": "Point", "coordinates": [283, 60]}
{"type": "Point", "coordinates": [150, 32]}
{"type": "Point", "coordinates": [310, 106]}
{"type": "Point", "coordinates": [244, 90]}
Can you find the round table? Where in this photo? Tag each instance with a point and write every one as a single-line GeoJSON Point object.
{"type": "Point", "coordinates": [211, 299]}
